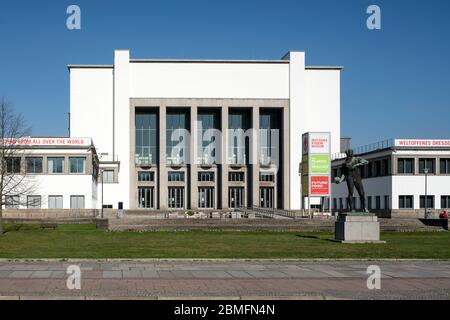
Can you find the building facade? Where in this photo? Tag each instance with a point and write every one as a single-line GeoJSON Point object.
{"type": "Point", "coordinates": [402, 178]}
{"type": "Point", "coordinates": [56, 175]}
{"type": "Point", "coordinates": [202, 134]}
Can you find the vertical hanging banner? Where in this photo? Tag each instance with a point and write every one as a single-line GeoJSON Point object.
{"type": "Point", "coordinates": [316, 164]}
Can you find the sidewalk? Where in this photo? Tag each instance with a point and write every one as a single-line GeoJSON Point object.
{"type": "Point", "coordinates": [226, 279]}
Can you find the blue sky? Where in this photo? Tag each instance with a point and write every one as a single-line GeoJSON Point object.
{"type": "Point", "coordinates": [395, 82]}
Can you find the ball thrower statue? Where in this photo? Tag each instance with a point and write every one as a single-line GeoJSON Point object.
{"type": "Point", "coordinates": [351, 174]}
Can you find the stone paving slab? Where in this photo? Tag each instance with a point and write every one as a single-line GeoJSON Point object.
{"type": "Point", "coordinates": [141, 279]}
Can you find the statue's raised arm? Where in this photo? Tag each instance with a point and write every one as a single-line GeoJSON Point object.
{"type": "Point", "coordinates": [360, 162]}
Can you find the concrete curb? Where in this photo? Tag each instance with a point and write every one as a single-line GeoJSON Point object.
{"type": "Point", "coordinates": [218, 260]}
{"type": "Point", "coordinates": [169, 298]}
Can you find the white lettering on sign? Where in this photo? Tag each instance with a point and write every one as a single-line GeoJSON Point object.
{"type": "Point", "coordinates": [421, 143]}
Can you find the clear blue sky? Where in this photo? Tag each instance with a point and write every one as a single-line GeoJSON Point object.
{"type": "Point", "coordinates": [395, 82]}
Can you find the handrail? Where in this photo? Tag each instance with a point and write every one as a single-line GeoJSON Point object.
{"type": "Point", "coordinates": [270, 212]}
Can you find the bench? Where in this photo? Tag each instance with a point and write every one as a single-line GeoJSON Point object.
{"type": "Point", "coordinates": [49, 225]}
{"type": "Point", "coordinates": [436, 222]}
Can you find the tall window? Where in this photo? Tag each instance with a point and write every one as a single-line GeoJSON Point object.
{"type": "Point", "coordinates": [206, 197]}
{"type": "Point", "coordinates": [369, 202]}
{"type": "Point", "coordinates": [445, 166]}
{"type": "Point", "coordinates": [146, 137]}
{"type": "Point", "coordinates": [236, 197]}
{"type": "Point", "coordinates": [55, 165]}
{"type": "Point", "coordinates": [430, 202]}
{"type": "Point", "coordinates": [34, 202]}
{"type": "Point", "coordinates": [13, 165]}
{"type": "Point", "coordinates": [55, 202]}
{"type": "Point", "coordinates": [378, 202]}
{"type": "Point", "coordinates": [377, 168]}
{"type": "Point", "coordinates": [176, 197]}
{"type": "Point", "coordinates": [386, 202]}
{"type": "Point", "coordinates": [269, 137]}
{"type": "Point", "coordinates": [146, 198]}
{"type": "Point", "coordinates": [385, 167]}
{"type": "Point", "coordinates": [207, 144]}
{"type": "Point", "coordinates": [76, 202]}
{"type": "Point", "coordinates": [445, 202]}
{"type": "Point", "coordinates": [176, 140]}
{"type": "Point", "coordinates": [108, 176]}
{"type": "Point", "coordinates": [406, 202]}
{"type": "Point", "coordinates": [12, 202]}
{"type": "Point", "coordinates": [34, 164]}
{"type": "Point", "coordinates": [238, 123]}
{"type": "Point", "coordinates": [77, 164]}
{"type": "Point", "coordinates": [405, 166]}
{"type": "Point", "coordinates": [427, 163]}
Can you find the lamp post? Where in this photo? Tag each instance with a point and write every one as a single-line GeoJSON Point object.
{"type": "Point", "coordinates": [101, 174]}
{"type": "Point", "coordinates": [426, 192]}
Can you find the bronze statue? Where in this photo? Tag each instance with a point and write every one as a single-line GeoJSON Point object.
{"type": "Point", "coordinates": [351, 174]}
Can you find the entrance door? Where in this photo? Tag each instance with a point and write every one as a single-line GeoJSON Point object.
{"type": "Point", "coordinates": [266, 197]}
{"type": "Point", "coordinates": [206, 197]}
{"type": "Point", "coordinates": [235, 197]}
{"type": "Point", "coordinates": [146, 199]}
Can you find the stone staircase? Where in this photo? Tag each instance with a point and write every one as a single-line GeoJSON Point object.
{"type": "Point", "coordinates": [156, 221]}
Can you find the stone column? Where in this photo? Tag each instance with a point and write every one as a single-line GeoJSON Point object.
{"type": "Point", "coordinates": [255, 157]}
{"type": "Point", "coordinates": [193, 159]}
{"type": "Point", "coordinates": [162, 182]}
{"type": "Point", "coordinates": [224, 146]}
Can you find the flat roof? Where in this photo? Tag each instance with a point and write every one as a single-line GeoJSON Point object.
{"type": "Point", "coordinates": [108, 66]}
{"type": "Point", "coordinates": [89, 66]}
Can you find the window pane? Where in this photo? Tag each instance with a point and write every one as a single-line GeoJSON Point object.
{"type": "Point", "coordinates": [55, 202]}
{"type": "Point", "coordinates": [77, 165]}
{"type": "Point", "coordinates": [108, 176]}
{"type": "Point", "coordinates": [146, 136]}
{"type": "Point", "coordinates": [33, 201]}
{"type": "Point", "coordinates": [13, 165]}
{"type": "Point", "coordinates": [430, 202]}
{"type": "Point", "coordinates": [77, 202]}
{"type": "Point", "coordinates": [12, 202]}
{"type": "Point", "coordinates": [409, 202]}
{"type": "Point", "coordinates": [427, 163]}
{"type": "Point", "coordinates": [34, 165]}
{"type": "Point", "coordinates": [55, 165]}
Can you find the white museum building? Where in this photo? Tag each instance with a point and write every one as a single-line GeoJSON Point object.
{"type": "Point", "coordinates": [133, 156]}
{"type": "Point", "coordinates": [130, 110]}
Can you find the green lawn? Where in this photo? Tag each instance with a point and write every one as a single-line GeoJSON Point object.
{"type": "Point", "coordinates": [84, 241]}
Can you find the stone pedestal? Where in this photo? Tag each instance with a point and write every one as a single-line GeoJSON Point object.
{"type": "Point", "coordinates": [357, 227]}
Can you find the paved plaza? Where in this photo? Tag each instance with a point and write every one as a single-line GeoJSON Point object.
{"type": "Point", "coordinates": [225, 279]}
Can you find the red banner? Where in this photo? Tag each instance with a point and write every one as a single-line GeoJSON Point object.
{"type": "Point", "coordinates": [319, 186]}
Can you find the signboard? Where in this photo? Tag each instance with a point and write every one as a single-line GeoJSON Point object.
{"type": "Point", "coordinates": [316, 164]}
{"type": "Point", "coordinates": [53, 142]}
{"type": "Point", "coordinates": [319, 164]}
{"type": "Point", "coordinates": [320, 185]}
{"type": "Point", "coordinates": [422, 143]}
